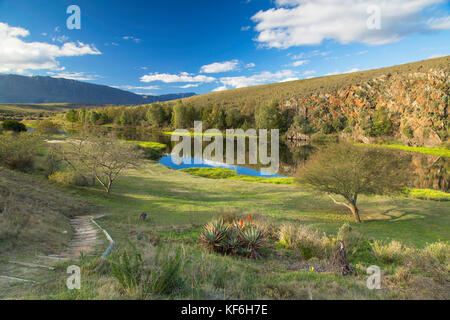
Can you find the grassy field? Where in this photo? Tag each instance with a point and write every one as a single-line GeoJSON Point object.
{"type": "Point", "coordinates": [427, 194]}
{"type": "Point", "coordinates": [222, 173]}
{"type": "Point", "coordinates": [34, 220]}
{"type": "Point", "coordinates": [36, 107]}
{"type": "Point", "coordinates": [148, 144]}
{"type": "Point", "coordinates": [187, 200]}
{"type": "Point", "coordinates": [178, 204]}
{"type": "Point", "coordinates": [36, 110]}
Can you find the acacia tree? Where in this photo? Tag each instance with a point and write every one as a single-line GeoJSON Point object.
{"type": "Point", "coordinates": [348, 171]}
{"type": "Point", "coordinates": [102, 156]}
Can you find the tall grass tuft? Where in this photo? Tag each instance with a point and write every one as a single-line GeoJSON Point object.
{"type": "Point", "coordinates": [162, 277]}
{"type": "Point", "coordinates": [307, 240]}
{"type": "Point", "coordinates": [393, 252]}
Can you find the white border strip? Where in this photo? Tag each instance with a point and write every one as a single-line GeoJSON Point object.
{"type": "Point", "coordinates": [111, 241]}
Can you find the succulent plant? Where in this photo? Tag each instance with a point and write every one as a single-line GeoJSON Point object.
{"type": "Point", "coordinates": [214, 233]}
{"type": "Point", "coordinates": [232, 241]}
{"type": "Point", "coordinates": [234, 238]}
{"type": "Point", "coordinates": [252, 238]}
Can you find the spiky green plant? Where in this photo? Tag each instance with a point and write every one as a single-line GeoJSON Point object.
{"type": "Point", "coordinates": [232, 241]}
{"type": "Point", "coordinates": [128, 269]}
{"type": "Point", "coordinates": [252, 238]}
{"type": "Point", "coordinates": [214, 234]}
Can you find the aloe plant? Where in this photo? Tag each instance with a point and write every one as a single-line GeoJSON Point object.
{"type": "Point", "coordinates": [252, 239]}
{"type": "Point", "coordinates": [234, 238]}
{"type": "Point", "coordinates": [214, 234]}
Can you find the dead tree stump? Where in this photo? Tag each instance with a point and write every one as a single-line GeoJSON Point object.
{"type": "Point", "coordinates": [339, 260]}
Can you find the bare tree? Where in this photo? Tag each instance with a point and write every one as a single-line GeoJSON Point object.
{"type": "Point", "coordinates": [101, 156]}
{"type": "Point", "coordinates": [347, 170]}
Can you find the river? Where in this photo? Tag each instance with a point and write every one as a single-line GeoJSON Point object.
{"type": "Point", "coordinates": [431, 172]}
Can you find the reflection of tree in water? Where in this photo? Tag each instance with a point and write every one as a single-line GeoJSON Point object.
{"type": "Point", "coordinates": [303, 153]}
{"type": "Point", "coordinates": [294, 154]}
{"type": "Point", "coordinates": [429, 172]}
{"type": "Point", "coordinates": [432, 172]}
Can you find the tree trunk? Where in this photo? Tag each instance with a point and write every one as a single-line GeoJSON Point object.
{"type": "Point", "coordinates": [108, 190]}
{"type": "Point", "coordinates": [355, 212]}
{"type": "Point", "coordinates": [350, 204]}
{"type": "Point", "coordinates": [339, 260]}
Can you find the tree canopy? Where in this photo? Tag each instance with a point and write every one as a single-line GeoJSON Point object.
{"type": "Point", "coordinates": [102, 156]}
{"type": "Point", "coordinates": [349, 171]}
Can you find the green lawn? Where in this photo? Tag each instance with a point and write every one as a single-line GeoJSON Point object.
{"type": "Point", "coordinates": [223, 173]}
{"type": "Point", "coordinates": [178, 204]}
{"type": "Point", "coordinates": [148, 144]}
{"type": "Point", "coordinates": [173, 198]}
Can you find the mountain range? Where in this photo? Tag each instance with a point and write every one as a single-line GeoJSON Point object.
{"type": "Point", "coordinates": [38, 89]}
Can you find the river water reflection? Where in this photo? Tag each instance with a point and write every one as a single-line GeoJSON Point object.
{"type": "Point", "coordinates": [429, 171]}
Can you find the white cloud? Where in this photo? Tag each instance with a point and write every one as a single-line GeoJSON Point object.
{"type": "Point", "coordinates": [299, 63]}
{"type": "Point", "coordinates": [289, 79]}
{"type": "Point", "coordinates": [61, 39]}
{"type": "Point", "coordinates": [245, 28]}
{"type": "Point", "coordinates": [352, 70]}
{"type": "Point", "coordinates": [138, 87]}
{"type": "Point", "coordinates": [315, 53]}
{"type": "Point", "coordinates": [182, 77]}
{"type": "Point", "coordinates": [309, 72]}
{"type": "Point", "coordinates": [257, 79]}
{"type": "Point", "coordinates": [440, 23]}
{"type": "Point", "coordinates": [332, 73]}
{"type": "Point", "coordinates": [70, 49]}
{"type": "Point", "coordinates": [221, 88]}
{"type": "Point", "coordinates": [132, 38]}
{"type": "Point", "coordinates": [80, 76]}
{"type": "Point", "coordinates": [250, 65]}
{"type": "Point", "coordinates": [310, 22]}
{"type": "Point", "coordinates": [338, 72]}
{"type": "Point", "coordinates": [217, 67]}
{"type": "Point", "coordinates": [437, 55]}
{"type": "Point", "coordinates": [194, 85]}
{"type": "Point", "coordinates": [18, 56]}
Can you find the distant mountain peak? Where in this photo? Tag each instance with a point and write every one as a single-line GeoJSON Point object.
{"type": "Point", "coordinates": [45, 89]}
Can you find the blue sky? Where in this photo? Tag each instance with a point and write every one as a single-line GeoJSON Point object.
{"type": "Point", "coordinates": [158, 47]}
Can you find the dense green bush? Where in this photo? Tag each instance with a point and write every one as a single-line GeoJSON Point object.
{"type": "Point", "coordinates": [68, 178]}
{"type": "Point", "coordinates": [46, 127]}
{"type": "Point", "coordinates": [267, 116]}
{"type": "Point", "coordinates": [13, 125]}
{"type": "Point", "coordinates": [303, 124]}
{"type": "Point", "coordinates": [408, 132]}
{"type": "Point", "coordinates": [17, 151]}
{"type": "Point", "coordinates": [381, 123]}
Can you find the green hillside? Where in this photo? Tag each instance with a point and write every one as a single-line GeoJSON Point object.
{"type": "Point", "coordinates": [285, 90]}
